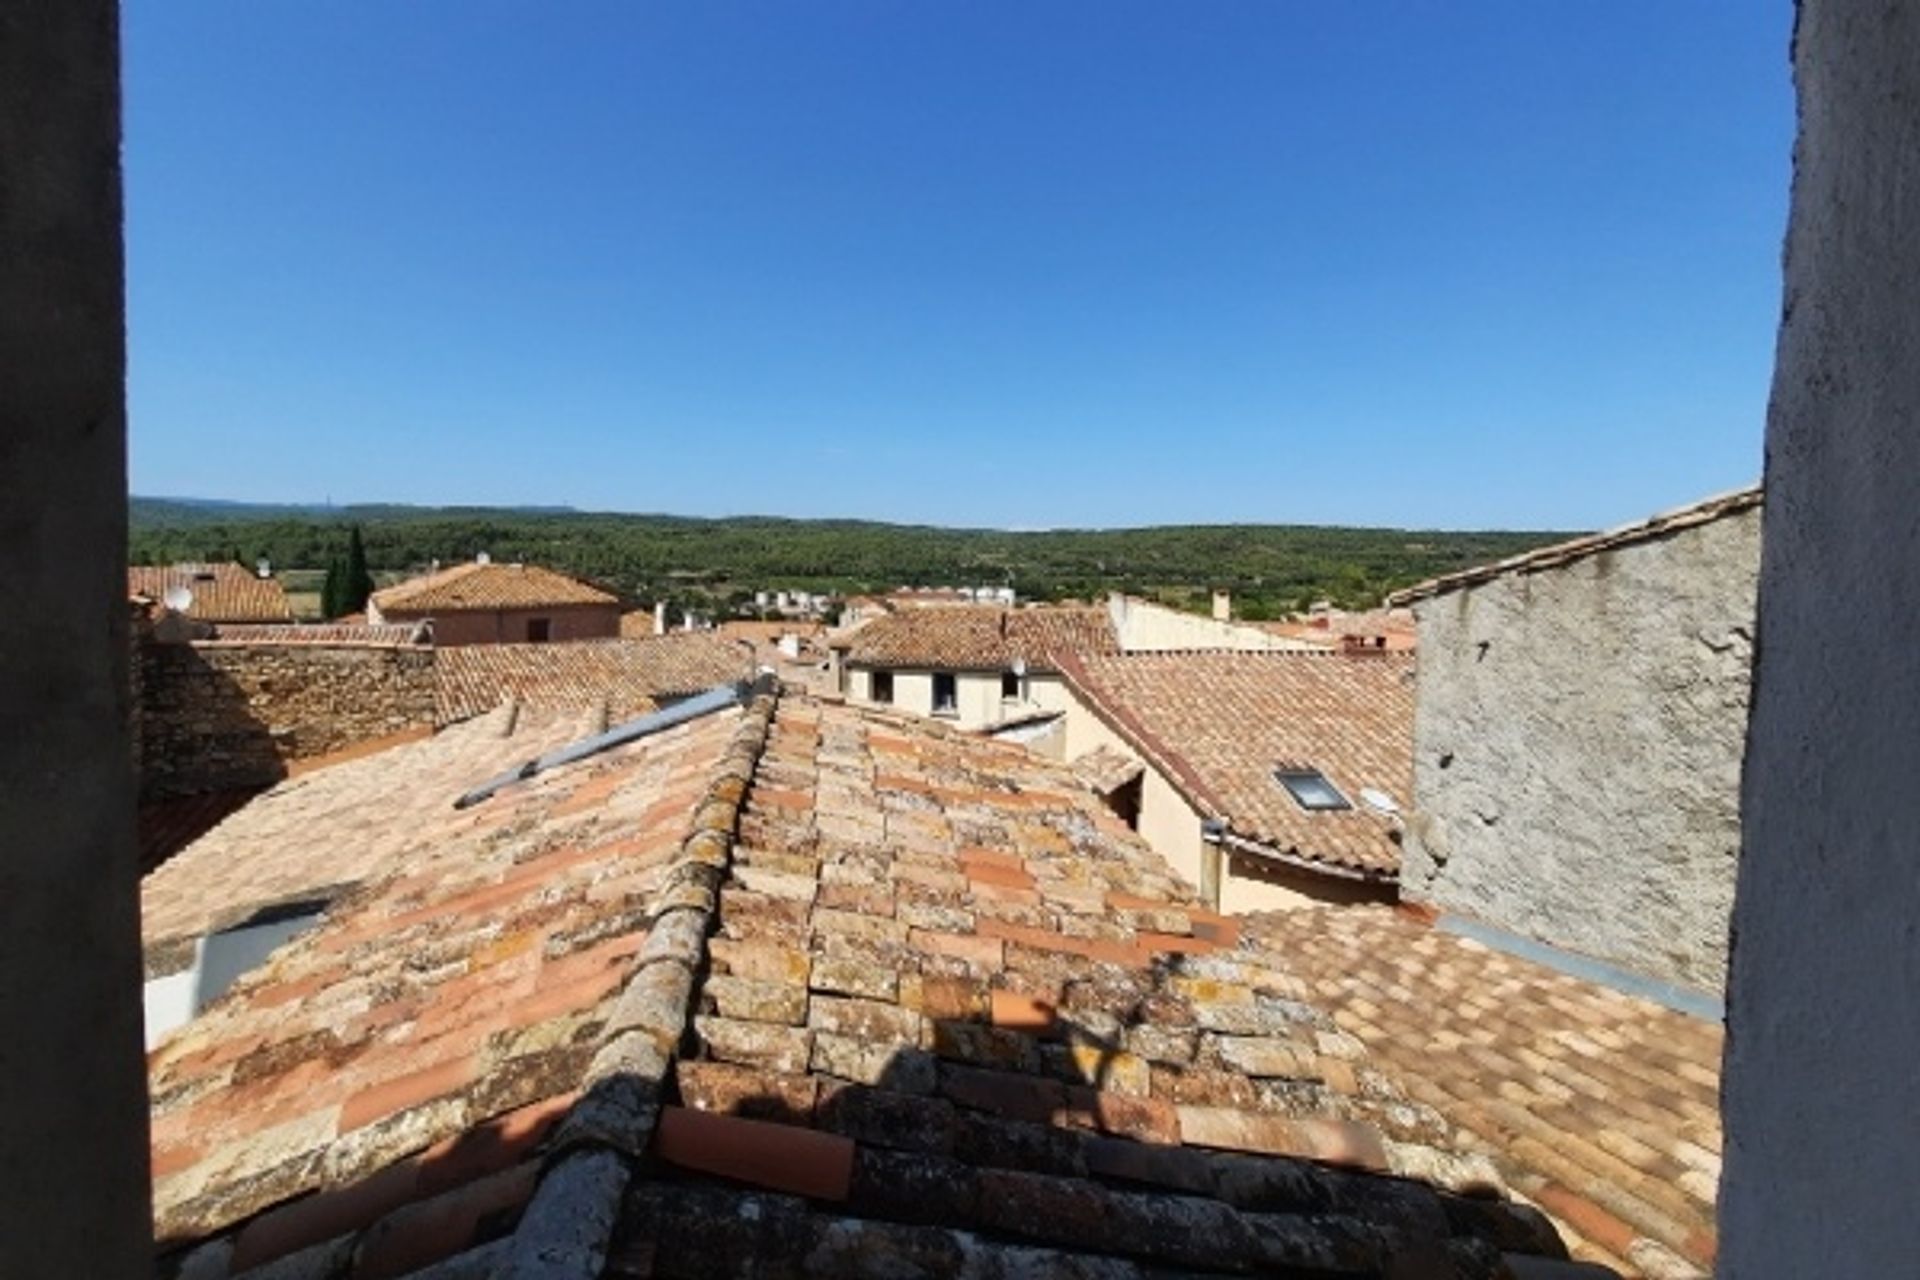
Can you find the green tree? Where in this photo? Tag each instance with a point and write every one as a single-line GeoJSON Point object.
{"type": "Point", "coordinates": [333, 590]}
{"type": "Point", "coordinates": [357, 583]}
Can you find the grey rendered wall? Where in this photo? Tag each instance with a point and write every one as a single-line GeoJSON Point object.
{"type": "Point", "coordinates": [1577, 745]}
{"type": "Point", "coordinates": [1823, 1049]}
{"type": "Point", "coordinates": [73, 1178]}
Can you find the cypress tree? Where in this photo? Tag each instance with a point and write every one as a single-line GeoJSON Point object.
{"type": "Point", "coordinates": [333, 590]}
{"type": "Point", "coordinates": [357, 583]}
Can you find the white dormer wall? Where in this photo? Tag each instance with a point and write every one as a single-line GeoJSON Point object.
{"type": "Point", "coordinates": [1140, 626]}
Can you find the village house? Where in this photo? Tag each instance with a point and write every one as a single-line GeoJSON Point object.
{"type": "Point", "coordinates": [975, 665]}
{"type": "Point", "coordinates": [486, 603]}
{"type": "Point", "coordinates": [1578, 740]}
{"type": "Point", "coordinates": [219, 592]}
{"type": "Point", "coordinates": [996, 669]}
{"type": "Point", "coordinates": [1266, 779]}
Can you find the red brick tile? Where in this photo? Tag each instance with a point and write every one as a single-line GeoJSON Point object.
{"type": "Point", "coordinates": [324, 1215]}
{"type": "Point", "coordinates": [1587, 1218]}
{"type": "Point", "coordinates": [1343, 1142]}
{"type": "Point", "coordinates": [489, 1147]}
{"type": "Point", "coordinates": [1222, 931]}
{"type": "Point", "coordinates": [406, 1091]}
{"type": "Point", "coordinates": [989, 873]}
{"type": "Point", "coordinates": [1022, 1013]}
{"type": "Point", "coordinates": [984, 951]}
{"type": "Point", "coordinates": [779, 1157]}
{"type": "Point", "coordinates": [1017, 1097]}
{"type": "Point", "coordinates": [430, 1231]}
{"type": "Point", "coordinates": [727, 1089]}
{"type": "Point", "coordinates": [976, 859]}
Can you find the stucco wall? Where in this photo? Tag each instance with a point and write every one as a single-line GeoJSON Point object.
{"type": "Point", "coordinates": [1144, 627]}
{"type": "Point", "coordinates": [224, 715]}
{"type": "Point", "coordinates": [509, 626]}
{"type": "Point", "coordinates": [1577, 745]}
{"type": "Point", "coordinates": [977, 695]}
{"type": "Point", "coordinates": [1167, 822]}
{"type": "Point", "coordinates": [1822, 1134]}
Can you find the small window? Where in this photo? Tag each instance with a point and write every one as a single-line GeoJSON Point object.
{"type": "Point", "coordinates": [880, 686]}
{"type": "Point", "coordinates": [1310, 789]}
{"type": "Point", "coordinates": [539, 630]}
{"type": "Point", "coordinates": [946, 693]}
{"type": "Point", "coordinates": [1010, 686]}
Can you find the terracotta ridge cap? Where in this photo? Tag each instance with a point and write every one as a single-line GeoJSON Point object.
{"type": "Point", "coordinates": [568, 1225]}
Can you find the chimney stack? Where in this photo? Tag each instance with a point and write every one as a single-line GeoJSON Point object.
{"type": "Point", "coordinates": [660, 618]}
{"type": "Point", "coordinates": [1222, 605]}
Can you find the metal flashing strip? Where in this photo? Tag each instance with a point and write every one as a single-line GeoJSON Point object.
{"type": "Point", "coordinates": [1669, 995]}
{"type": "Point", "coordinates": [715, 699]}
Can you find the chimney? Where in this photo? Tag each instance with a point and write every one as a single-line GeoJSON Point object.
{"type": "Point", "coordinates": [660, 618]}
{"type": "Point", "coordinates": [1222, 605]}
{"type": "Point", "coordinates": [1358, 645]}
{"type": "Point", "coordinates": [264, 567]}
{"type": "Point", "coordinates": [483, 558]}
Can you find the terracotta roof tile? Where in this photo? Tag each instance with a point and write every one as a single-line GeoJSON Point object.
{"type": "Point", "coordinates": [224, 592]}
{"type": "Point", "coordinates": [1602, 1108]}
{"type": "Point", "coordinates": [429, 1030]}
{"type": "Point", "coordinates": [625, 677]}
{"type": "Point", "coordinates": [982, 637]}
{"type": "Point", "coordinates": [327, 633]}
{"type": "Point", "coordinates": [486, 587]}
{"type": "Point", "coordinates": [1218, 725]}
{"type": "Point", "coordinates": [950, 1010]}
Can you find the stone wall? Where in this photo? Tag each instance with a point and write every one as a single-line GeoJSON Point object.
{"type": "Point", "coordinates": [1577, 749]}
{"type": "Point", "coordinates": [215, 715]}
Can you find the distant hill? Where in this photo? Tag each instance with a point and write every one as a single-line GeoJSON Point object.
{"type": "Point", "coordinates": [719, 563]}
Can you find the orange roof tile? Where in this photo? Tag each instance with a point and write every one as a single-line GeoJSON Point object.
{"type": "Point", "coordinates": [982, 637]}
{"type": "Point", "coordinates": [225, 592]}
{"type": "Point", "coordinates": [1218, 725]}
{"type": "Point", "coordinates": [625, 677]}
{"type": "Point", "coordinates": [1600, 1107]}
{"type": "Point", "coordinates": [487, 587]}
{"type": "Point", "coordinates": [950, 1008]}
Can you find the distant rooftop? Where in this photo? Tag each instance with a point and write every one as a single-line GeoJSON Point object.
{"type": "Point", "coordinates": [982, 637]}
{"type": "Point", "coordinates": [488, 586]}
{"type": "Point", "coordinates": [221, 592]}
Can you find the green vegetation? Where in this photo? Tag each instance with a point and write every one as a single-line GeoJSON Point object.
{"type": "Point", "coordinates": [719, 564]}
{"type": "Point", "coordinates": [348, 582]}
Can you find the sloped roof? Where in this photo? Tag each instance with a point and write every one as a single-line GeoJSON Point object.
{"type": "Point", "coordinates": [487, 587]}
{"type": "Point", "coordinates": [1601, 1108]}
{"type": "Point", "coordinates": [952, 1017]}
{"type": "Point", "coordinates": [1218, 725]}
{"type": "Point", "coordinates": [1561, 553]}
{"type": "Point", "coordinates": [982, 637]}
{"type": "Point", "coordinates": [311, 836]}
{"type": "Point", "coordinates": [224, 592]}
{"type": "Point", "coordinates": [627, 677]}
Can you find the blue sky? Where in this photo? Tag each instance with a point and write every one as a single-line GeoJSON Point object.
{"type": "Point", "coordinates": [1433, 264]}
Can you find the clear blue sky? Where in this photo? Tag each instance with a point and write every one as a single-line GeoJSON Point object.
{"type": "Point", "coordinates": [1025, 265]}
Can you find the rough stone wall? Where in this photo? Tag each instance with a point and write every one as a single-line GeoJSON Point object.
{"type": "Point", "coordinates": [1823, 1137]}
{"type": "Point", "coordinates": [509, 626]}
{"type": "Point", "coordinates": [229, 715]}
{"type": "Point", "coordinates": [1577, 748]}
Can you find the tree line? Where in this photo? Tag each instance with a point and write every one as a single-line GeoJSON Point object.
{"type": "Point", "coordinates": [718, 564]}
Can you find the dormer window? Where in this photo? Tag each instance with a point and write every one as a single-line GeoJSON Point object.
{"type": "Point", "coordinates": [1310, 789]}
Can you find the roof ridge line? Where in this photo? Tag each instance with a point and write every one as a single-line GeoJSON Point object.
{"type": "Point", "coordinates": [568, 1224]}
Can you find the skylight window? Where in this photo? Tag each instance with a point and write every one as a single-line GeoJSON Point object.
{"type": "Point", "coordinates": [1310, 789]}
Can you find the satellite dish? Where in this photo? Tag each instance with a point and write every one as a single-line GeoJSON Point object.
{"type": "Point", "coordinates": [178, 599]}
{"type": "Point", "coordinates": [1379, 801]}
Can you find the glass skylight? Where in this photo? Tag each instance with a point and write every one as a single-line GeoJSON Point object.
{"type": "Point", "coordinates": [1310, 789]}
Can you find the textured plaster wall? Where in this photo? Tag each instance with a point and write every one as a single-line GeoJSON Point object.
{"type": "Point", "coordinates": [73, 1176]}
{"type": "Point", "coordinates": [976, 695]}
{"type": "Point", "coordinates": [1143, 627]}
{"type": "Point", "coordinates": [1577, 746]}
{"type": "Point", "coordinates": [1823, 1046]}
{"type": "Point", "coordinates": [224, 715]}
